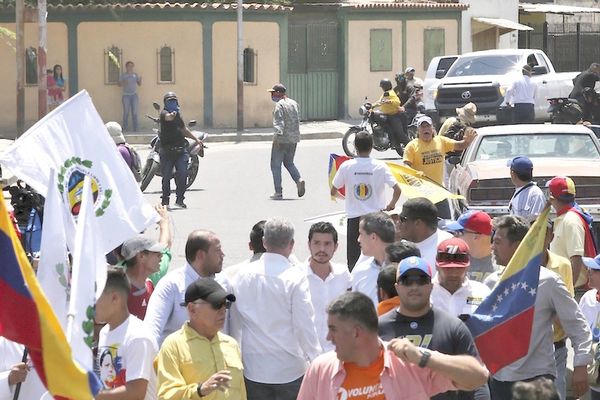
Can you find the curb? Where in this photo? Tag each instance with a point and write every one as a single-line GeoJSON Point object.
{"type": "Point", "coordinates": [233, 137]}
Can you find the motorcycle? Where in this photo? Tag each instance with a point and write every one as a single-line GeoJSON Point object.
{"type": "Point", "coordinates": [564, 111]}
{"type": "Point", "coordinates": [152, 165]}
{"type": "Point", "coordinates": [375, 124]}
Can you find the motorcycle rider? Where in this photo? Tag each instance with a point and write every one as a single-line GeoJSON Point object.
{"type": "Point", "coordinates": [585, 79]}
{"type": "Point", "coordinates": [591, 106]}
{"type": "Point", "coordinates": [174, 149]}
{"type": "Point", "coordinates": [389, 105]}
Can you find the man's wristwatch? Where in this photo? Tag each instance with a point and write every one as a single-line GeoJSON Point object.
{"type": "Point", "coordinates": [425, 356]}
{"type": "Point", "coordinates": [199, 390]}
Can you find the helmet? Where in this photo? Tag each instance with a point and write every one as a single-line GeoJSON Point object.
{"type": "Point", "coordinates": [385, 84]}
{"type": "Point", "coordinates": [169, 95]}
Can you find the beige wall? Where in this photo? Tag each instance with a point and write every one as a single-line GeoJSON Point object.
{"type": "Point", "coordinates": [361, 81]}
{"type": "Point", "coordinates": [57, 53]}
{"type": "Point", "coordinates": [414, 50]}
{"type": "Point", "coordinates": [139, 42]}
{"type": "Point", "coordinates": [263, 37]}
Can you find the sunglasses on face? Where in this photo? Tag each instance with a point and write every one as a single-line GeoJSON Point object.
{"type": "Point", "coordinates": [420, 280]}
{"type": "Point", "coordinates": [448, 257]}
{"type": "Point", "coordinates": [217, 306]}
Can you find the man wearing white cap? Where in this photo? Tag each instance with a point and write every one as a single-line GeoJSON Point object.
{"type": "Point", "coordinates": [131, 157]}
{"type": "Point", "coordinates": [411, 79]}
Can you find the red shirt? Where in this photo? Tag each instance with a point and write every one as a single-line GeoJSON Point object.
{"type": "Point", "coordinates": [138, 299]}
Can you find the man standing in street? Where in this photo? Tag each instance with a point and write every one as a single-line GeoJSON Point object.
{"type": "Point", "coordinates": [198, 360]}
{"type": "Point", "coordinates": [528, 201]}
{"type": "Point", "coordinates": [286, 123]}
{"type": "Point", "coordinates": [273, 318]}
{"type": "Point", "coordinates": [364, 180]}
{"type": "Point", "coordinates": [129, 81]}
{"type": "Point", "coordinates": [521, 95]}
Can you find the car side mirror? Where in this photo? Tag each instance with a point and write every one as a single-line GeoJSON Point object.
{"type": "Point", "coordinates": [156, 106]}
{"type": "Point", "coordinates": [440, 73]}
{"type": "Point", "coordinates": [454, 160]}
{"type": "Point", "coordinates": [540, 70]}
{"type": "Point", "coordinates": [192, 123]}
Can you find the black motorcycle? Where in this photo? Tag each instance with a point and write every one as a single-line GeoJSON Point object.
{"type": "Point", "coordinates": [564, 111]}
{"type": "Point", "coordinates": [376, 124]}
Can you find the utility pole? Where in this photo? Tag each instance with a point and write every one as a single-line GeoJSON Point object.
{"type": "Point", "coordinates": [42, 78]}
{"type": "Point", "coordinates": [20, 28]}
{"type": "Point", "coordinates": [240, 70]}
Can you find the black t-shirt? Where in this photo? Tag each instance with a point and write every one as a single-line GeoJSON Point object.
{"type": "Point", "coordinates": [171, 132]}
{"type": "Point", "coordinates": [583, 80]}
{"type": "Point", "coordinates": [436, 330]}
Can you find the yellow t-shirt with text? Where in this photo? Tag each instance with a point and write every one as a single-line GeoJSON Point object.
{"type": "Point", "coordinates": [428, 157]}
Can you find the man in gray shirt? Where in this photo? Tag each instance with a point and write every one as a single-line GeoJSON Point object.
{"type": "Point", "coordinates": [528, 201]}
{"type": "Point", "coordinates": [552, 300]}
{"type": "Point", "coordinates": [286, 122]}
{"type": "Point", "coordinates": [129, 81]}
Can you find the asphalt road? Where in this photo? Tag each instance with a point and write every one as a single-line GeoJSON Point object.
{"type": "Point", "coordinates": [232, 192]}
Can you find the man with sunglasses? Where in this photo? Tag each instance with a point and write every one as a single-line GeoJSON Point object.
{"type": "Point", "coordinates": [453, 291]}
{"type": "Point", "coordinates": [424, 326]}
{"type": "Point", "coordinates": [475, 228]}
{"type": "Point", "coordinates": [198, 360]}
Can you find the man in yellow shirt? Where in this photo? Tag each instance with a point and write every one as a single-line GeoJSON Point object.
{"type": "Point", "coordinates": [389, 105]}
{"type": "Point", "coordinates": [198, 361]}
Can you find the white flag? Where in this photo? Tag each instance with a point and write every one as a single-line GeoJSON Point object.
{"type": "Point", "coordinates": [53, 269]}
{"type": "Point", "coordinates": [73, 141]}
{"type": "Point", "coordinates": [88, 280]}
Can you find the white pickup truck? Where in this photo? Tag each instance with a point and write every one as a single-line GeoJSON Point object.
{"type": "Point", "coordinates": [483, 77]}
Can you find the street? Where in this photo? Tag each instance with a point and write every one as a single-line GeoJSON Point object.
{"type": "Point", "coordinates": [232, 192]}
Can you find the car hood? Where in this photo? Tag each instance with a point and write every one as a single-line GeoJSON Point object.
{"type": "Point", "coordinates": [497, 169]}
{"type": "Point", "coordinates": [474, 79]}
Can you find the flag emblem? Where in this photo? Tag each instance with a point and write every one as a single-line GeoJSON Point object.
{"type": "Point", "coordinates": [363, 191]}
{"type": "Point", "coordinates": [70, 184]}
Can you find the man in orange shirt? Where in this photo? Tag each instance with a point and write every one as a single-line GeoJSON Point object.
{"type": "Point", "coordinates": [386, 289]}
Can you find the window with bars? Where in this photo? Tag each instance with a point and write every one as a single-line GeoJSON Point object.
{"type": "Point", "coordinates": [249, 65]}
{"type": "Point", "coordinates": [166, 65]}
{"type": "Point", "coordinates": [31, 67]}
{"type": "Point", "coordinates": [113, 59]}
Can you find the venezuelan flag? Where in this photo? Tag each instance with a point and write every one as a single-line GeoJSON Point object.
{"type": "Point", "coordinates": [503, 322]}
{"type": "Point", "coordinates": [26, 317]}
{"type": "Point", "coordinates": [334, 164]}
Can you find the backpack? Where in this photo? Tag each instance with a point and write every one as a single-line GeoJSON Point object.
{"type": "Point", "coordinates": [136, 163]}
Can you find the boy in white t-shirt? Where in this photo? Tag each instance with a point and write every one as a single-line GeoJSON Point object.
{"type": "Point", "coordinates": [364, 180]}
{"type": "Point", "coordinates": [125, 349]}
{"type": "Point", "coordinates": [590, 307]}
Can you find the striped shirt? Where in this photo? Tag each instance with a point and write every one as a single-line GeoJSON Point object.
{"type": "Point", "coordinates": [527, 202]}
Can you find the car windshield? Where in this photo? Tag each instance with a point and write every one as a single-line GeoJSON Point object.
{"type": "Point", "coordinates": [553, 145]}
{"type": "Point", "coordinates": [484, 65]}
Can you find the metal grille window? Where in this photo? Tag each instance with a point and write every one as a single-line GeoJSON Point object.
{"type": "Point", "coordinates": [297, 57]}
{"type": "Point", "coordinates": [31, 67]}
{"type": "Point", "coordinates": [166, 65]}
{"type": "Point", "coordinates": [249, 65]}
{"type": "Point", "coordinates": [113, 59]}
{"type": "Point", "coordinates": [434, 41]}
{"type": "Point", "coordinates": [381, 49]}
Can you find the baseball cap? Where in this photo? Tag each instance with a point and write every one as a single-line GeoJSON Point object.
{"type": "Point", "coordinates": [591, 263]}
{"type": "Point", "coordinates": [206, 289]}
{"type": "Point", "coordinates": [116, 132]}
{"type": "Point", "coordinates": [561, 187]}
{"type": "Point", "coordinates": [520, 164]}
{"type": "Point", "coordinates": [138, 244]}
{"type": "Point", "coordinates": [423, 119]}
{"type": "Point", "coordinates": [411, 263]}
{"type": "Point", "coordinates": [452, 253]}
{"type": "Point", "coordinates": [476, 221]}
{"type": "Point", "coordinates": [409, 69]}
{"type": "Point", "coordinates": [279, 88]}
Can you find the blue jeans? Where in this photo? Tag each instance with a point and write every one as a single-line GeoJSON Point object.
{"type": "Point", "coordinates": [168, 160]}
{"type": "Point", "coordinates": [130, 106]}
{"type": "Point", "coordinates": [283, 153]}
{"type": "Point", "coordinates": [560, 358]}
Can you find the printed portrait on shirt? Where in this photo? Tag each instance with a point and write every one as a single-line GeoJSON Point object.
{"type": "Point", "coordinates": [112, 373]}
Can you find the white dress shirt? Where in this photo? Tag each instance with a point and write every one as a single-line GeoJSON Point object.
{"type": "Point", "coordinates": [11, 354]}
{"type": "Point", "coordinates": [274, 320]}
{"type": "Point", "coordinates": [364, 278]}
{"type": "Point", "coordinates": [165, 314]}
{"type": "Point", "coordinates": [462, 302]}
{"type": "Point", "coordinates": [522, 90]}
{"type": "Point", "coordinates": [428, 247]}
{"type": "Point", "coordinates": [323, 292]}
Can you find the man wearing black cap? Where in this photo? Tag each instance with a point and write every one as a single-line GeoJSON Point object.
{"type": "Point", "coordinates": [286, 122]}
{"type": "Point", "coordinates": [521, 95]}
{"type": "Point", "coordinates": [198, 360]}
{"type": "Point", "coordinates": [528, 200]}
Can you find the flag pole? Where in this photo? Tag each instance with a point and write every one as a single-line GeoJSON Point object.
{"type": "Point", "coordinates": [18, 387]}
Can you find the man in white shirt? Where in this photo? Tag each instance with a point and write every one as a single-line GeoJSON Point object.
{"type": "Point", "coordinates": [204, 258]}
{"type": "Point", "coordinates": [376, 233]}
{"type": "Point", "coordinates": [126, 350]}
{"type": "Point", "coordinates": [528, 200]}
{"type": "Point", "coordinates": [326, 280]}
{"type": "Point", "coordinates": [418, 224]}
{"type": "Point", "coordinates": [274, 319]}
{"type": "Point", "coordinates": [521, 95]}
{"type": "Point", "coordinates": [453, 291]}
{"type": "Point", "coordinates": [364, 180]}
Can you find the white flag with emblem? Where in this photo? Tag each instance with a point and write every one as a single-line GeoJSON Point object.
{"type": "Point", "coordinates": [73, 141]}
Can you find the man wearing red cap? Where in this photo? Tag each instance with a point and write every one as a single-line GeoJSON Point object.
{"type": "Point", "coordinates": [453, 291]}
{"type": "Point", "coordinates": [572, 229]}
{"type": "Point", "coordinates": [475, 228]}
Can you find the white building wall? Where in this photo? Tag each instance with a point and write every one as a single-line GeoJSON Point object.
{"type": "Point", "coordinates": [506, 9]}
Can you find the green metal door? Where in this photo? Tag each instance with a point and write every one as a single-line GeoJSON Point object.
{"type": "Point", "coordinates": [312, 69]}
